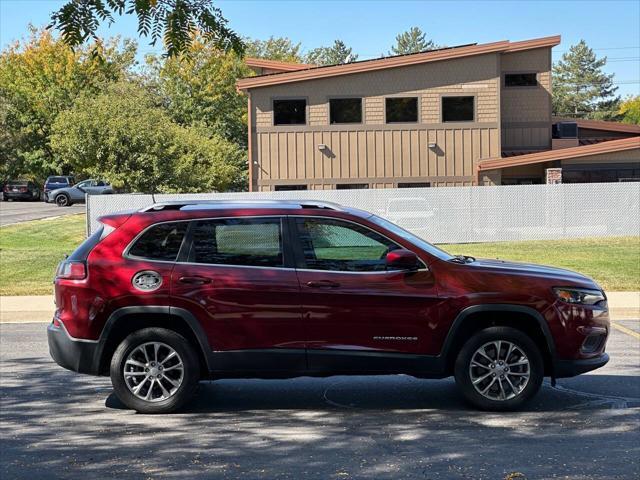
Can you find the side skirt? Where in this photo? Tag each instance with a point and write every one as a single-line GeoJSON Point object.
{"type": "Point", "coordinates": [281, 363]}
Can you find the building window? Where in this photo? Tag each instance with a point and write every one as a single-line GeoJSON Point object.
{"type": "Point", "coordinates": [401, 109]}
{"type": "Point", "coordinates": [520, 79]}
{"type": "Point", "coordinates": [345, 110]}
{"type": "Point", "coordinates": [289, 188]}
{"type": "Point", "coordinates": [290, 112]}
{"type": "Point", "coordinates": [352, 186]}
{"type": "Point", "coordinates": [458, 109]}
{"type": "Point", "coordinates": [414, 185]}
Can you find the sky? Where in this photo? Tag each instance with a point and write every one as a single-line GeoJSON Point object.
{"type": "Point", "coordinates": [611, 28]}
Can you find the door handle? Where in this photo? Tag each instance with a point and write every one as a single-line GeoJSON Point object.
{"type": "Point", "coordinates": [323, 284]}
{"type": "Point", "coordinates": [194, 280]}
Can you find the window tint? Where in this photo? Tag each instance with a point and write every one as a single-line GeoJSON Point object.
{"type": "Point", "coordinates": [57, 179]}
{"type": "Point", "coordinates": [247, 242]}
{"type": "Point", "coordinates": [289, 112]}
{"type": "Point", "coordinates": [401, 109]}
{"type": "Point", "coordinates": [345, 110]}
{"type": "Point", "coordinates": [160, 242]}
{"type": "Point", "coordinates": [520, 80]}
{"type": "Point", "coordinates": [342, 246]}
{"type": "Point", "coordinates": [457, 109]}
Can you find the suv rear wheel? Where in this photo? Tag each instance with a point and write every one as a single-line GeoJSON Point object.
{"type": "Point", "coordinates": [499, 368]}
{"type": "Point", "coordinates": [155, 370]}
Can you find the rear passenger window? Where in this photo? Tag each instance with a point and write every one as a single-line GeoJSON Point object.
{"type": "Point", "coordinates": [160, 242]}
{"type": "Point", "coordinates": [254, 242]}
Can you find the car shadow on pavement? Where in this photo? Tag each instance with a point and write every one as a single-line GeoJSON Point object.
{"type": "Point", "coordinates": [389, 392]}
{"type": "Point", "coordinates": [56, 423]}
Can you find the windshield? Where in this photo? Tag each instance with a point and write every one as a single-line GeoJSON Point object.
{"type": "Point", "coordinates": [410, 237]}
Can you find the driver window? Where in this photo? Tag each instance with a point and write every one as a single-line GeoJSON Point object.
{"type": "Point", "coordinates": [342, 246]}
{"type": "Point", "coordinates": [84, 184]}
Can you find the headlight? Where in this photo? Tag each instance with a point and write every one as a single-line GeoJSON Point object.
{"type": "Point", "coordinates": [581, 296]}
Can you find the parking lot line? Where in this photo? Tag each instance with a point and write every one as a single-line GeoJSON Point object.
{"type": "Point", "coordinates": [626, 330]}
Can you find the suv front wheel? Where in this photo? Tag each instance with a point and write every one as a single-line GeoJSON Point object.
{"type": "Point", "coordinates": [155, 370]}
{"type": "Point", "coordinates": [499, 368]}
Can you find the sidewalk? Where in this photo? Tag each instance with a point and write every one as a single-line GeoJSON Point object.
{"type": "Point", "coordinates": [28, 309]}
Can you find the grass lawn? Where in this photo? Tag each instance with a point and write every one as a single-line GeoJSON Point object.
{"type": "Point", "coordinates": [30, 252]}
{"type": "Point", "coordinates": [613, 262]}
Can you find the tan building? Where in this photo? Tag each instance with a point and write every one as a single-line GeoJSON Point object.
{"type": "Point", "coordinates": [467, 115]}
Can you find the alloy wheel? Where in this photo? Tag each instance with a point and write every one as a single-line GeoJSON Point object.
{"type": "Point", "coordinates": [499, 370]}
{"type": "Point", "coordinates": [153, 371]}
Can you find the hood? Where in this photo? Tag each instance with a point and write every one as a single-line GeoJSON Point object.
{"type": "Point", "coordinates": [561, 276]}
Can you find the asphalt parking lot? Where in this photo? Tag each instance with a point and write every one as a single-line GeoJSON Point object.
{"type": "Point", "coordinates": [57, 424]}
{"type": "Point", "coordinates": [16, 212]}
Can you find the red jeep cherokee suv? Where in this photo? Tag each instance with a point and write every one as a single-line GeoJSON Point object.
{"type": "Point", "coordinates": [184, 291]}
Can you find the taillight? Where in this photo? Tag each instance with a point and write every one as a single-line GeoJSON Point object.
{"type": "Point", "coordinates": [72, 270]}
{"type": "Point", "coordinates": [6, 188]}
{"type": "Point", "coordinates": [23, 189]}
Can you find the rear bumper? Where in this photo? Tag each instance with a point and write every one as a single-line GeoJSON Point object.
{"type": "Point", "coordinates": [18, 196]}
{"type": "Point", "coordinates": [74, 354]}
{"type": "Point", "coordinates": [571, 368]}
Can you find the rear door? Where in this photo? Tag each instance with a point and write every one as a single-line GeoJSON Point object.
{"type": "Point", "coordinates": [238, 280]}
{"type": "Point", "coordinates": [359, 316]}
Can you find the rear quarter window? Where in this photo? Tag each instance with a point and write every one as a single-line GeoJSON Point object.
{"type": "Point", "coordinates": [159, 242]}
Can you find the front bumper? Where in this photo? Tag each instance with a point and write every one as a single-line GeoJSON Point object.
{"type": "Point", "coordinates": [571, 368]}
{"type": "Point", "coordinates": [74, 354]}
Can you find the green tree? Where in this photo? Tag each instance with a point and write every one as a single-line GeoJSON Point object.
{"type": "Point", "coordinates": [580, 86]}
{"type": "Point", "coordinates": [173, 21]}
{"type": "Point", "coordinates": [275, 48]}
{"type": "Point", "coordinates": [336, 54]}
{"type": "Point", "coordinates": [41, 77]}
{"type": "Point", "coordinates": [200, 90]}
{"type": "Point", "coordinates": [413, 40]}
{"type": "Point", "coordinates": [630, 110]}
{"type": "Point", "coordinates": [123, 136]}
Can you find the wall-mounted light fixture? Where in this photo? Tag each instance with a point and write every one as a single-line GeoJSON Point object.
{"type": "Point", "coordinates": [322, 147]}
{"type": "Point", "coordinates": [433, 145]}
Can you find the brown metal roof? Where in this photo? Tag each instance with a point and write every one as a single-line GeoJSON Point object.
{"type": "Point", "coordinates": [397, 61]}
{"type": "Point", "coordinates": [601, 125]}
{"type": "Point", "coordinates": [562, 154]}
{"type": "Point", "coordinates": [277, 65]}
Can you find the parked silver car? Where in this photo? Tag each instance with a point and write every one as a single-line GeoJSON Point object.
{"type": "Point", "coordinates": [64, 197]}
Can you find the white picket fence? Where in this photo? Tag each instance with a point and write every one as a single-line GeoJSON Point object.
{"type": "Point", "coordinates": [458, 214]}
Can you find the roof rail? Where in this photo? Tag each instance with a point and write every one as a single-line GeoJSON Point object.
{"type": "Point", "coordinates": [240, 203]}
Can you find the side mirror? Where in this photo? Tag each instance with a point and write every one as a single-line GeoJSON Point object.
{"type": "Point", "coordinates": [402, 260]}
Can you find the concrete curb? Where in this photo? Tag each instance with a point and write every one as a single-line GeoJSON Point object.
{"type": "Point", "coordinates": [27, 309]}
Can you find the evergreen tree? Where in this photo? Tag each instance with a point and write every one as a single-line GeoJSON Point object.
{"type": "Point", "coordinates": [413, 40]}
{"type": "Point", "coordinates": [336, 54]}
{"type": "Point", "coordinates": [581, 88]}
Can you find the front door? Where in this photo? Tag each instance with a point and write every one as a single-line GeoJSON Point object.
{"type": "Point", "coordinates": [359, 316]}
{"type": "Point", "coordinates": [238, 283]}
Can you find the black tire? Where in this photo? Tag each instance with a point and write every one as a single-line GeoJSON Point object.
{"type": "Point", "coordinates": [63, 200]}
{"type": "Point", "coordinates": [494, 334]}
{"type": "Point", "coordinates": [191, 372]}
